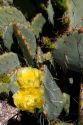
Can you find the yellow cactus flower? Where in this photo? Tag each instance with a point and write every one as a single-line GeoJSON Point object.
{"type": "Point", "coordinates": [29, 100]}
{"type": "Point", "coordinates": [29, 77]}
{"type": "Point", "coordinates": [31, 93]}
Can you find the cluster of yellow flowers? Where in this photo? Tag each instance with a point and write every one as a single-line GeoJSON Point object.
{"type": "Point", "coordinates": [31, 93]}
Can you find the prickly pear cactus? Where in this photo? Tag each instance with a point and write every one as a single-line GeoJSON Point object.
{"type": "Point", "coordinates": [53, 97]}
{"type": "Point", "coordinates": [9, 63]}
{"type": "Point", "coordinates": [74, 12]}
{"type": "Point", "coordinates": [32, 8]}
{"type": "Point", "coordinates": [26, 41]}
{"type": "Point", "coordinates": [50, 12]}
{"type": "Point", "coordinates": [8, 15]}
{"type": "Point", "coordinates": [69, 51]}
{"type": "Point", "coordinates": [37, 24]}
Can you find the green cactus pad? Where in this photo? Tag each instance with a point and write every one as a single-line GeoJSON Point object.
{"type": "Point", "coordinates": [75, 9]}
{"type": "Point", "coordinates": [7, 38]}
{"type": "Point", "coordinates": [28, 46]}
{"type": "Point", "coordinates": [50, 12]}
{"type": "Point", "coordinates": [8, 61]}
{"type": "Point", "coordinates": [37, 24]}
{"type": "Point", "coordinates": [69, 51]}
{"type": "Point", "coordinates": [30, 40]}
{"type": "Point", "coordinates": [8, 15]}
{"type": "Point", "coordinates": [53, 96]}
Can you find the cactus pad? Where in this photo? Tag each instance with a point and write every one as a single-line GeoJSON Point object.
{"type": "Point", "coordinates": [37, 24]}
{"type": "Point", "coordinates": [74, 12]}
{"type": "Point", "coordinates": [69, 51]}
{"type": "Point", "coordinates": [8, 15]}
{"type": "Point", "coordinates": [8, 61]}
{"type": "Point", "coordinates": [26, 41]}
{"type": "Point", "coordinates": [53, 97]}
